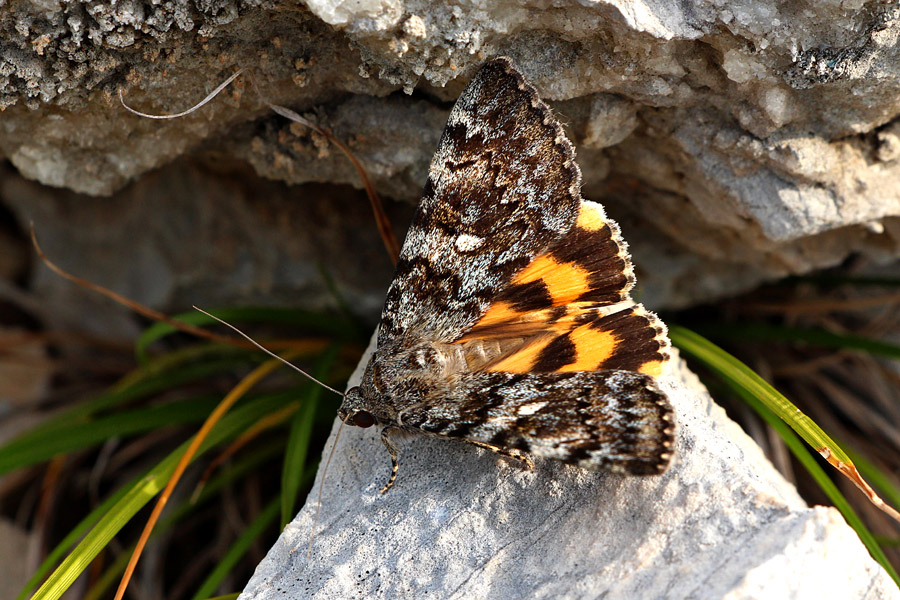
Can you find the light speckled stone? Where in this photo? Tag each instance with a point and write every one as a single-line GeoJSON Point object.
{"type": "Point", "coordinates": [462, 523]}
{"type": "Point", "coordinates": [752, 140]}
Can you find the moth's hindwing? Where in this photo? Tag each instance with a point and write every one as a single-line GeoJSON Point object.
{"type": "Point", "coordinates": [571, 310]}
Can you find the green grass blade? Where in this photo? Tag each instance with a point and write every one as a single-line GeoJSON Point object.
{"type": "Point", "coordinates": [242, 544]}
{"type": "Point", "coordinates": [233, 596]}
{"type": "Point", "coordinates": [799, 450]}
{"type": "Point", "coordinates": [295, 456]}
{"type": "Point", "coordinates": [73, 536]}
{"type": "Point", "coordinates": [143, 383]}
{"type": "Point", "coordinates": [888, 541]}
{"type": "Point", "coordinates": [738, 374]}
{"type": "Point", "coordinates": [266, 518]}
{"type": "Point", "coordinates": [298, 442]}
{"type": "Point", "coordinates": [784, 417]}
{"type": "Point", "coordinates": [729, 367]}
{"type": "Point", "coordinates": [143, 490]}
{"type": "Point", "coordinates": [80, 435]}
{"type": "Point", "coordinates": [176, 514]}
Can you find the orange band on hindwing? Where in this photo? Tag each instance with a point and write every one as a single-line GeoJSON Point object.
{"type": "Point", "coordinates": [552, 315]}
{"type": "Point", "coordinates": [564, 281]}
{"type": "Point", "coordinates": [592, 347]}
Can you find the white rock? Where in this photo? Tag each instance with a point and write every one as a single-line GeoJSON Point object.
{"type": "Point", "coordinates": [611, 120]}
{"type": "Point", "coordinates": [754, 140]}
{"type": "Point", "coordinates": [462, 523]}
{"type": "Point", "coordinates": [356, 12]}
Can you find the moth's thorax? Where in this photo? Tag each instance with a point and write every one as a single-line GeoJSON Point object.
{"type": "Point", "coordinates": [397, 377]}
{"type": "Point", "coordinates": [393, 366]}
{"type": "Point", "coordinates": [441, 363]}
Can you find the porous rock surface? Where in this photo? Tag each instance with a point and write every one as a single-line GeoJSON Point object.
{"type": "Point", "coordinates": [462, 523]}
{"type": "Point", "coordinates": [736, 141]}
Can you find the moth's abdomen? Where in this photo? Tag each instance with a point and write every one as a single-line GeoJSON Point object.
{"type": "Point", "coordinates": [479, 354]}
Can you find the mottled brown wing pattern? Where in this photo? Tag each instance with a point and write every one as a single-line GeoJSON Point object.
{"type": "Point", "coordinates": [503, 186]}
{"type": "Point", "coordinates": [615, 421]}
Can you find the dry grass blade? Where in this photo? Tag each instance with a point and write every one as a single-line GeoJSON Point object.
{"type": "Point", "coordinates": [131, 304]}
{"type": "Point", "coordinates": [866, 417]}
{"type": "Point", "coordinates": [805, 307]}
{"type": "Point", "coordinates": [381, 219]}
{"type": "Point", "coordinates": [267, 422]}
{"type": "Point", "coordinates": [183, 113]}
{"type": "Point", "coordinates": [850, 472]}
{"type": "Point", "coordinates": [809, 366]}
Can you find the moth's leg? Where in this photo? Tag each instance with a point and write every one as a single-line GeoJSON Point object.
{"type": "Point", "coordinates": [513, 453]}
{"type": "Point", "coordinates": [394, 450]}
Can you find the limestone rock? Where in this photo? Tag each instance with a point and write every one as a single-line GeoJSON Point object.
{"type": "Point", "coordinates": [462, 523]}
{"type": "Point", "coordinates": [736, 142]}
{"type": "Point", "coordinates": [195, 234]}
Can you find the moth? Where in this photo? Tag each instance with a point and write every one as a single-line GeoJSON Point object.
{"type": "Point", "coordinates": [509, 323]}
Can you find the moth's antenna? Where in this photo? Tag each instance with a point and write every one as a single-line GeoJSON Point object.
{"type": "Point", "coordinates": [295, 117]}
{"type": "Point", "coordinates": [270, 353]}
{"type": "Point", "coordinates": [336, 436]}
{"type": "Point", "coordinates": [315, 525]}
{"type": "Point", "coordinates": [183, 113]}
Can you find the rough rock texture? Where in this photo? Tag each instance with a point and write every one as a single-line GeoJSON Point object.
{"type": "Point", "coordinates": [736, 141]}
{"type": "Point", "coordinates": [218, 238]}
{"type": "Point", "coordinates": [462, 523]}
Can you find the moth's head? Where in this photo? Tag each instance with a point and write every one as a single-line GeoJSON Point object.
{"type": "Point", "coordinates": [353, 410]}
